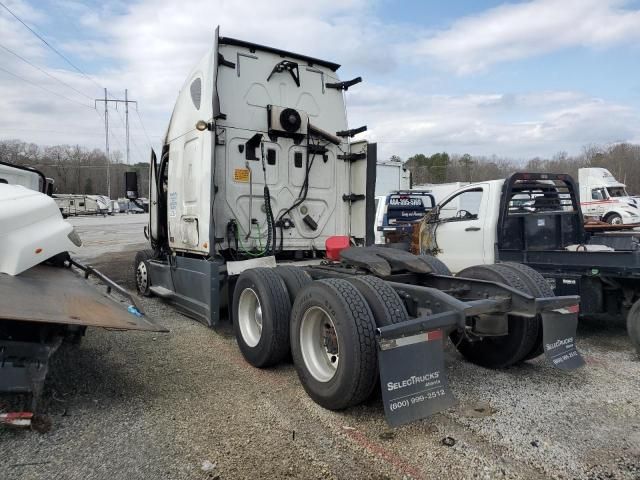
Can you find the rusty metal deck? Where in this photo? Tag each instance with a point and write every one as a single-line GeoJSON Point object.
{"type": "Point", "coordinates": [47, 294]}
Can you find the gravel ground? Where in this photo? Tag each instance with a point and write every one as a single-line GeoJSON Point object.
{"type": "Point", "coordinates": [186, 405]}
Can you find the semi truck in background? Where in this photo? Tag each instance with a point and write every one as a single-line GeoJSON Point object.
{"type": "Point", "coordinates": [605, 198]}
{"type": "Point", "coordinates": [261, 202]}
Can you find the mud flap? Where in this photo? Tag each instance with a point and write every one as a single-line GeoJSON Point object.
{"type": "Point", "coordinates": [559, 332]}
{"type": "Point", "coordinates": [412, 377]}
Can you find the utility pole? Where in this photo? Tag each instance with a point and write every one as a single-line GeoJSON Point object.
{"type": "Point", "coordinates": [126, 120]}
{"type": "Point", "coordinates": [126, 102]}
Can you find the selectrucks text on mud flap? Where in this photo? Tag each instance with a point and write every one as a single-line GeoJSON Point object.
{"type": "Point", "coordinates": [413, 380]}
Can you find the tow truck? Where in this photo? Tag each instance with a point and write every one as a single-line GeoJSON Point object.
{"type": "Point", "coordinates": [534, 221]}
{"type": "Point", "coordinates": [45, 295]}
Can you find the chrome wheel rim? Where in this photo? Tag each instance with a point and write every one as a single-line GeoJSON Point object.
{"type": "Point", "coordinates": [142, 277]}
{"type": "Point", "coordinates": [616, 220]}
{"type": "Point", "coordinates": [250, 317]}
{"type": "Point", "coordinates": [319, 344]}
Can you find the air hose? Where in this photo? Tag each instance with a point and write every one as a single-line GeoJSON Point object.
{"type": "Point", "coordinates": [271, 227]}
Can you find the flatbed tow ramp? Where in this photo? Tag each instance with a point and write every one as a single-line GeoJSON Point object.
{"type": "Point", "coordinates": [45, 304]}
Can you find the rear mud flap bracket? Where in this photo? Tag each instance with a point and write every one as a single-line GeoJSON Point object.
{"type": "Point", "coordinates": [413, 378]}
{"type": "Point", "coordinates": [559, 333]}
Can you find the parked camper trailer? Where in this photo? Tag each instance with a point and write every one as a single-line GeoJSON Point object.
{"type": "Point", "coordinates": [604, 197]}
{"type": "Point", "coordinates": [73, 205]}
{"type": "Point", "coordinates": [115, 207]}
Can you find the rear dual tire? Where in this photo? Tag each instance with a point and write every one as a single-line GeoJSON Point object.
{"type": "Point", "coordinates": [539, 288]}
{"type": "Point", "coordinates": [330, 331]}
{"type": "Point", "coordinates": [333, 343]}
{"type": "Point", "coordinates": [261, 309]}
{"type": "Point", "coordinates": [523, 336]}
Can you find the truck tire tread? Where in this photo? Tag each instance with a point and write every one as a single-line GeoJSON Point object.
{"type": "Point", "coordinates": [356, 376]}
{"type": "Point", "coordinates": [273, 345]}
{"type": "Point", "coordinates": [385, 304]}
{"type": "Point", "coordinates": [507, 350]}
{"type": "Point", "coordinates": [143, 256]}
{"type": "Point", "coordinates": [437, 266]}
{"type": "Point", "coordinates": [538, 287]}
{"type": "Point", "coordinates": [294, 278]}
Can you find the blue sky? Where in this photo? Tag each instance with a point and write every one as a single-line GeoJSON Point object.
{"type": "Point", "coordinates": [516, 79]}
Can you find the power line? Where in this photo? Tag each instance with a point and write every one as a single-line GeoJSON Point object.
{"type": "Point", "coordinates": [48, 44]}
{"type": "Point", "coordinates": [74, 67]}
{"type": "Point", "coordinates": [44, 71]}
{"type": "Point", "coordinates": [144, 129]}
{"type": "Point", "coordinates": [46, 89]}
{"type": "Point", "coordinates": [135, 145]}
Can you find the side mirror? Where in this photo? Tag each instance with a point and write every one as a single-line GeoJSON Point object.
{"type": "Point", "coordinates": [131, 183]}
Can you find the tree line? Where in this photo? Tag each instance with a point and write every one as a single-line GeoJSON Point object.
{"type": "Point", "coordinates": [621, 159]}
{"type": "Point", "coordinates": [75, 169]}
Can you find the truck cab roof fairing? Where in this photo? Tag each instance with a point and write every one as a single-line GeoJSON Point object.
{"type": "Point", "coordinates": [254, 46]}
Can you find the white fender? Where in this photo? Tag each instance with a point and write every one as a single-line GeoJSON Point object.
{"type": "Point", "coordinates": [628, 214]}
{"type": "Point", "coordinates": [31, 229]}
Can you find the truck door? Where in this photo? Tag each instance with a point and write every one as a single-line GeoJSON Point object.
{"type": "Point", "coordinates": [153, 200]}
{"type": "Point", "coordinates": [460, 230]}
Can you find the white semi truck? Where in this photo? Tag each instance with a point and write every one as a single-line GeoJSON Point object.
{"type": "Point", "coordinates": [262, 202]}
{"type": "Point", "coordinates": [604, 197]}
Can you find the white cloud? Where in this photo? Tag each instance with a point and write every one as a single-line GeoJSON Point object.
{"type": "Point", "coordinates": [521, 30]}
{"type": "Point", "coordinates": [149, 47]}
{"type": "Point", "coordinates": [489, 123]}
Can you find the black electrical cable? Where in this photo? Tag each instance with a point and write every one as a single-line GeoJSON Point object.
{"type": "Point", "coordinates": [271, 227]}
{"type": "Point", "coordinates": [302, 196]}
{"type": "Point", "coordinates": [49, 45]}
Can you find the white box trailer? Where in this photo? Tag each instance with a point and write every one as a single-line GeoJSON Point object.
{"type": "Point", "coordinates": [261, 201]}
{"type": "Point", "coordinates": [391, 176]}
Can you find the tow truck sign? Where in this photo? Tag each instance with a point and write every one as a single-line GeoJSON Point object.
{"type": "Point", "coordinates": [412, 376]}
